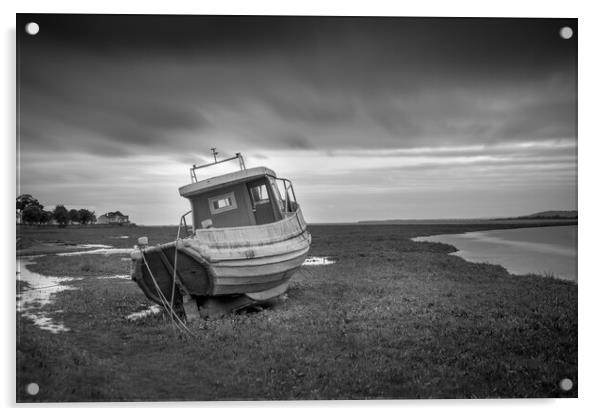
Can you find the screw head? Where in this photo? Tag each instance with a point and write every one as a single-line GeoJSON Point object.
{"type": "Point", "coordinates": [32, 28]}
{"type": "Point", "coordinates": [32, 389]}
{"type": "Point", "coordinates": [566, 384]}
{"type": "Point", "coordinates": [566, 32]}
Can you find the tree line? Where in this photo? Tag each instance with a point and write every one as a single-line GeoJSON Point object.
{"type": "Point", "coordinates": [32, 212]}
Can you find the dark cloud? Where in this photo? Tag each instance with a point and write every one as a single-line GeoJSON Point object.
{"type": "Point", "coordinates": [296, 141]}
{"type": "Point", "coordinates": [469, 45]}
{"type": "Point", "coordinates": [543, 120]}
{"type": "Point", "coordinates": [316, 108]}
{"type": "Point", "coordinates": [162, 81]}
{"type": "Point", "coordinates": [126, 88]}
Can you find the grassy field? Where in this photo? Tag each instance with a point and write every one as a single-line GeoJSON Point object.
{"type": "Point", "coordinates": [391, 319]}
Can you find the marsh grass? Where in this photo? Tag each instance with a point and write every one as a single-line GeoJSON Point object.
{"type": "Point", "coordinates": [81, 265]}
{"type": "Point", "coordinates": [391, 319]}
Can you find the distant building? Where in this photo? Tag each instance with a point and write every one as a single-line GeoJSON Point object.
{"type": "Point", "coordinates": [113, 218]}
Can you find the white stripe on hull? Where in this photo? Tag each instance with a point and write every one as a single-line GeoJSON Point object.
{"type": "Point", "coordinates": [258, 269]}
{"type": "Point", "coordinates": [253, 280]}
{"type": "Point", "coordinates": [255, 286]}
{"type": "Point", "coordinates": [260, 261]}
{"type": "Point", "coordinates": [217, 254]}
{"type": "Point", "coordinates": [270, 293]}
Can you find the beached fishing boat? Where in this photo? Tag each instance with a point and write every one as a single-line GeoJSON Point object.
{"type": "Point", "coordinates": [248, 239]}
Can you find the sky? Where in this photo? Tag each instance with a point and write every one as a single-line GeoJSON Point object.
{"type": "Point", "coordinates": [371, 118]}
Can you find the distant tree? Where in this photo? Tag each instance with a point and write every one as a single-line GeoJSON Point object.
{"type": "Point", "coordinates": [23, 201]}
{"type": "Point", "coordinates": [74, 216]}
{"type": "Point", "coordinates": [32, 214]}
{"type": "Point", "coordinates": [86, 217]}
{"type": "Point", "coordinates": [46, 217]}
{"type": "Point", "coordinates": [61, 215]}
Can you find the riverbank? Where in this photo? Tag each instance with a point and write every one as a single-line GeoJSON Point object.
{"type": "Point", "coordinates": [392, 318]}
{"type": "Point", "coordinates": [549, 251]}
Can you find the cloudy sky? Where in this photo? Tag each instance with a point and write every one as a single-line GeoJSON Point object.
{"type": "Point", "coordinates": [372, 118]}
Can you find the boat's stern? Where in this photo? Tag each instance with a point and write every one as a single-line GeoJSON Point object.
{"type": "Point", "coordinates": [165, 268]}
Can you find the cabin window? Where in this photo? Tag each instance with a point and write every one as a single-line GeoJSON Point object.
{"type": "Point", "coordinates": [222, 203]}
{"type": "Point", "coordinates": [260, 194]}
{"type": "Point", "coordinates": [277, 194]}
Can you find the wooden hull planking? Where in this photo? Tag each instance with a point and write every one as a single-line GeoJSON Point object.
{"type": "Point", "coordinates": [210, 267]}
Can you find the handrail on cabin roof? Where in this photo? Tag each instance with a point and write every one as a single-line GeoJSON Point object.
{"type": "Point", "coordinates": [194, 168]}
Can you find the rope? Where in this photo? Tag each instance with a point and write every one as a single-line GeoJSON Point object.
{"type": "Point", "coordinates": [305, 274]}
{"type": "Point", "coordinates": [308, 271]}
{"type": "Point", "coordinates": [29, 288]}
{"type": "Point", "coordinates": [158, 289]}
{"type": "Point", "coordinates": [179, 324]}
{"type": "Point", "coordinates": [175, 263]}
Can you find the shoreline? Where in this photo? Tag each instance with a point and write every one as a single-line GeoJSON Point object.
{"type": "Point", "coordinates": [481, 255]}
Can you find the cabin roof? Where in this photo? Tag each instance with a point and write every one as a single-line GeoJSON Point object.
{"type": "Point", "coordinates": [224, 180]}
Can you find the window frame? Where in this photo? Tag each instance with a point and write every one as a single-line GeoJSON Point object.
{"type": "Point", "coordinates": [265, 200]}
{"type": "Point", "coordinates": [232, 206]}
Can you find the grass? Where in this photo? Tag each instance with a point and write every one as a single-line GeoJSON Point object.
{"type": "Point", "coordinates": [84, 265]}
{"type": "Point", "coordinates": [391, 319]}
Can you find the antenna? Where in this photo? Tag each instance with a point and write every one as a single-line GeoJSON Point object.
{"type": "Point", "coordinates": [193, 169]}
{"type": "Point", "coordinates": [214, 154]}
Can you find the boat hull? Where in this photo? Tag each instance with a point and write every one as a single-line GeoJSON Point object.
{"type": "Point", "coordinates": [254, 262]}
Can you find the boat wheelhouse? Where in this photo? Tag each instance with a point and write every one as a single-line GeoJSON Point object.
{"type": "Point", "coordinates": [248, 238]}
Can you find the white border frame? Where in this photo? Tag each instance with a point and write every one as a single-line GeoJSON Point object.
{"type": "Point", "coordinates": [590, 227]}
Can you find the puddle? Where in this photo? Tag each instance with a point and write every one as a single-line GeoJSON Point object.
{"type": "Point", "coordinates": [115, 276]}
{"type": "Point", "coordinates": [319, 261]}
{"type": "Point", "coordinates": [73, 245]}
{"type": "Point", "coordinates": [106, 250]}
{"type": "Point", "coordinates": [92, 249]}
{"type": "Point", "coordinates": [121, 236]}
{"type": "Point", "coordinates": [38, 293]}
{"type": "Point", "coordinates": [152, 310]}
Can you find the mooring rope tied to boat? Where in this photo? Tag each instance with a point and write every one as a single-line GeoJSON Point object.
{"type": "Point", "coordinates": [180, 324]}
{"type": "Point", "coordinates": [28, 288]}
{"type": "Point", "coordinates": [175, 261]}
{"type": "Point", "coordinates": [306, 272]}
{"type": "Point", "coordinates": [159, 292]}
